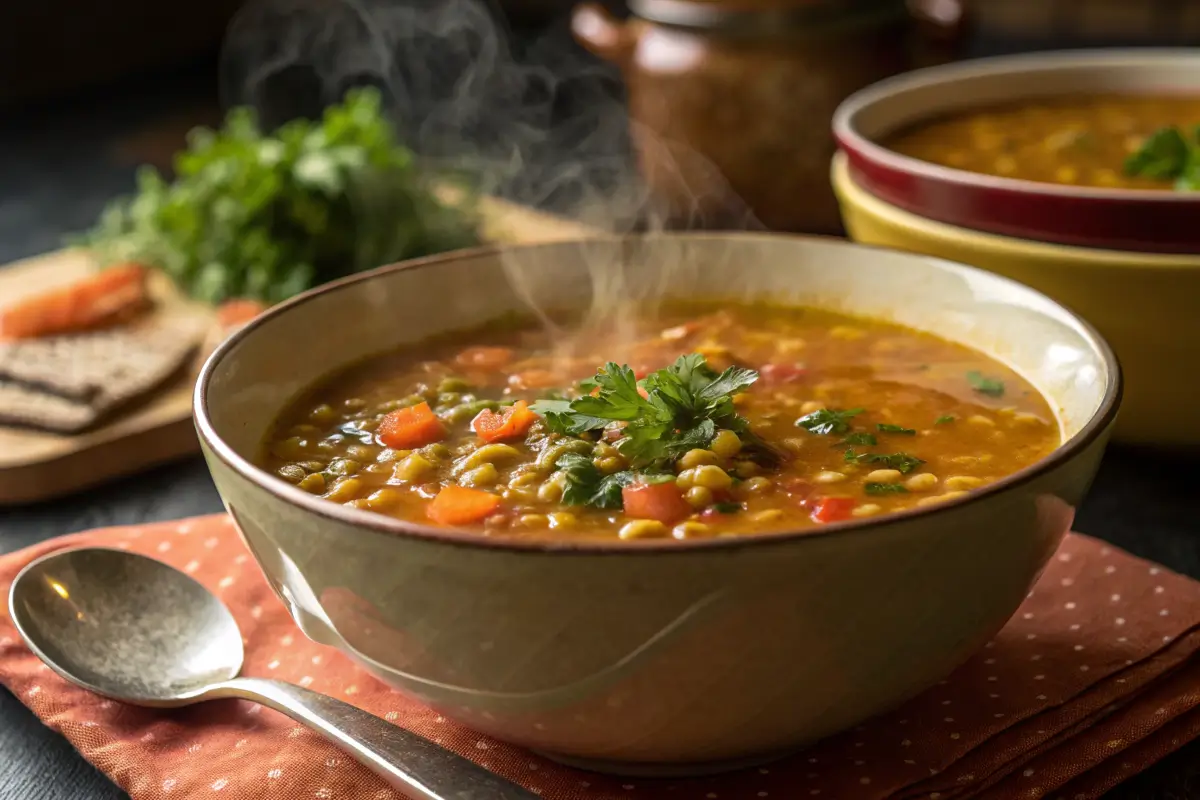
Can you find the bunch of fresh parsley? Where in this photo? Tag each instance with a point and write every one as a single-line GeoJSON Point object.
{"type": "Point", "coordinates": [684, 406]}
{"type": "Point", "coordinates": [1169, 154]}
{"type": "Point", "coordinates": [267, 215]}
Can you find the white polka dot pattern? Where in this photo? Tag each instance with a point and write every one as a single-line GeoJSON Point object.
{"type": "Point", "coordinates": [1089, 683]}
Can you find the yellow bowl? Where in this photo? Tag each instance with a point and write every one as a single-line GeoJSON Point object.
{"type": "Point", "coordinates": [1144, 304]}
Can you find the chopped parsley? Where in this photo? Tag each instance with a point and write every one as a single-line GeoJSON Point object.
{"type": "Point", "coordinates": [885, 488]}
{"type": "Point", "coordinates": [903, 462]}
{"type": "Point", "coordinates": [727, 508]}
{"type": "Point", "coordinates": [944, 419]}
{"type": "Point", "coordinates": [826, 422]}
{"type": "Point", "coordinates": [887, 428]}
{"type": "Point", "coordinates": [1168, 154]}
{"type": "Point", "coordinates": [992, 387]}
{"type": "Point", "coordinates": [684, 407]}
{"type": "Point", "coordinates": [860, 439]}
{"type": "Point", "coordinates": [588, 486]}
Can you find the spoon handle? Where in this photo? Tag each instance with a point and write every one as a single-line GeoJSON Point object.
{"type": "Point", "coordinates": [414, 765]}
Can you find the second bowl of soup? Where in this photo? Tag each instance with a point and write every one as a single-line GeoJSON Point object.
{"type": "Point", "coordinates": [1092, 148]}
{"type": "Point", "coordinates": [659, 505]}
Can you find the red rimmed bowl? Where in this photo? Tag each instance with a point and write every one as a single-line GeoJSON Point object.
{"type": "Point", "coordinates": [1124, 219]}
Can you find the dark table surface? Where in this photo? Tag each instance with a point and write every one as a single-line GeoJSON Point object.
{"type": "Point", "coordinates": [56, 171]}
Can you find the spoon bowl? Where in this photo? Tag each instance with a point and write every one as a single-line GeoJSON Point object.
{"type": "Point", "coordinates": [134, 629]}
{"type": "Point", "coordinates": [126, 626]}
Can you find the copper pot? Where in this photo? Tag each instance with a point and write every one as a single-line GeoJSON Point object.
{"type": "Point", "coordinates": [730, 100]}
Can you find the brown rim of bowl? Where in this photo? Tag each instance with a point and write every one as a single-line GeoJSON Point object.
{"type": "Point", "coordinates": [845, 129]}
{"type": "Point", "coordinates": [391, 526]}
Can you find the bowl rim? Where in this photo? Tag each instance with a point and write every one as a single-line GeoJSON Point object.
{"type": "Point", "coordinates": [846, 133]}
{"type": "Point", "coordinates": [1076, 255]}
{"type": "Point", "coordinates": [1093, 428]}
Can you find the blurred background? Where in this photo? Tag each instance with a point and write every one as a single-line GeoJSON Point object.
{"type": "Point", "coordinates": [89, 92]}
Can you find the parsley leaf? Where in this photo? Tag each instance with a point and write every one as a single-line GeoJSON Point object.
{"type": "Point", "coordinates": [683, 407]}
{"type": "Point", "coordinates": [992, 387]}
{"type": "Point", "coordinates": [885, 488]}
{"type": "Point", "coordinates": [862, 439]}
{"type": "Point", "coordinates": [1163, 156]}
{"type": "Point", "coordinates": [825, 421]}
{"type": "Point", "coordinates": [268, 214]}
{"type": "Point", "coordinates": [588, 486]}
{"type": "Point", "coordinates": [903, 462]}
{"type": "Point", "coordinates": [945, 418]}
{"type": "Point", "coordinates": [887, 428]}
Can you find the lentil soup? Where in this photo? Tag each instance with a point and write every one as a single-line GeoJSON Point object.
{"type": "Point", "coordinates": [731, 420]}
{"type": "Point", "coordinates": [1104, 141]}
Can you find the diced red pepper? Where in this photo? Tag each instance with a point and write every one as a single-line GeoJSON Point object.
{"type": "Point", "coordinates": [833, 509]}
{"type": "Point", "coordinates": [661, 501]}
{"type": "Point", "coordinates": [406, 428]}
{"type": "Point", "coordinates": [509, 423]}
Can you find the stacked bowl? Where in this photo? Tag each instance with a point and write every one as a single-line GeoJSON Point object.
{"type": "Point", "coordinates": [1125, 257]}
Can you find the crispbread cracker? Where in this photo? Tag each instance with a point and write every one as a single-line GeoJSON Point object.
{"type": "Point", "coordinates": [80, 378]}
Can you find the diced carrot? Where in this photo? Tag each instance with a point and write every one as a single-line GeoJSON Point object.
{"type": "Point", "coordinates": [406, 428]}
{"type": "Point", "coordinates": [458, 505]}
{"type": "Point", "coordinates": [101, 299]}
{"type": "Point", "coordinates": [232, 313]}
{"type": "Point", "coordinates": [833, 509]}
{"type": "Point", "coordinates": [509, 423]}
{"type": "Point", "coordinates": [485, 357]}
{"type": "Point", "coordinates": [661, 501]}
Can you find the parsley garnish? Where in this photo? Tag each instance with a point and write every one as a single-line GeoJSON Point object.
{"type": "Point", "coordinates": [992, 387]}
{"type": "Point", "coordinates": [942, 420]}
{"type": "Point", "coordinates": [886, 428]}
{"type": "Point", "coordinates": [684, 406]}
{"type": "Point", "coordinates": [903, 462]}
{"type": "Point", "coordinates": [861, 439]}
{"type": "Point", "coordinates": [727, 508]}
{"type": "Point", "coordinates": [828, 421]}
{"type": "Point", "coordinates": [588, 486]}
{"type": "Point", "coordinates": [885, 488]}
{"type": "Point", "coordinates": [1168, 154]}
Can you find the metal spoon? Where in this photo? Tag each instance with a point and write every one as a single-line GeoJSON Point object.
{"type": "Point", "coordinates": [136, 630]}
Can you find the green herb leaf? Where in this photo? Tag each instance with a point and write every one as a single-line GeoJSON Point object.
{"type": "Point", "coordinates": [944, 419]}
{"type": "Point", "coordinates": [727, 508]}
{"type": "Point", "coordinates": [588, 486]}
{"type": "Point", "coordinates": [685, 404]}
{"type": "Point", "coordinates": [886, 428]}
{"type": "Point", "coordinates": [1163, 156]}
{"type": "Point", "coordinates": [903, 462]}
{"type": "Point", "coordinates": [266, 215]}
{"type": "Point", "coordinates": [885, 488]}
{"type": "Point", "coordinates": [992, 387]}
{"type": "Point", "coordinates": [825, 421]}
{"type": "Point", "coordinates": [860, 439]}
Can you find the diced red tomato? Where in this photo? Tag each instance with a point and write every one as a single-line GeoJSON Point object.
{"type": "Point", "coordinates": [661, 501]}
{"type": "Point", "coordinates": [509, 423]}
{"type": "Point", "coordinates": [833, 509]}
{"type": "Point", "coordinates": [458, 505]}
{"type": "Point", "coordinates": [406, 428]}
{"type": "Point", "coordinates": [777, 374]}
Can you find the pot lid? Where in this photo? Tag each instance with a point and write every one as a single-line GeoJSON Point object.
{"type": "Point", "coordinates": [754, 16]}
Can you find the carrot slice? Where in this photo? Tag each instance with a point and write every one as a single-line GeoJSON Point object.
{"type": "Point", "coordinates": [509, 423]}
{"type": "Point", "coordinates": [415, 426]}
{"type": "Point", "coordinates": [104, 298]}
{"type": "Point", "coordinates": [485, 357]}
{"type": "Point", "coordinates": [458, 505]}
{"type": "Point", "coordinates": [661, 501]}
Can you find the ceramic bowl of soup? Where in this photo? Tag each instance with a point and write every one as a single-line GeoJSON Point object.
{"type": "Point", "coordinates": [662, 505]}
{"type": "Point", "coordinates": [1086, 148]}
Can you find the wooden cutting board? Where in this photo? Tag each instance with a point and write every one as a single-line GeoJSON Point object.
{"type": "Point", "coordinates": [37, 466]}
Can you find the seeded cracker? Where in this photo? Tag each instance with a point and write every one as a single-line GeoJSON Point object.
{"type": "Point", "coordinates": [67, 383]}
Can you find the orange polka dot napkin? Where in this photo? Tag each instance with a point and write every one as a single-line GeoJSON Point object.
{"type": "Point", "coordinates": [1091, 681]}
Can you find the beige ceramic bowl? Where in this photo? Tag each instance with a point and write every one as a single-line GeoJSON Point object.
{"type": "Point", "coordinates": [669, 656]}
